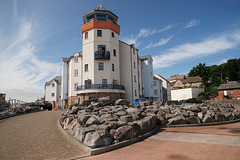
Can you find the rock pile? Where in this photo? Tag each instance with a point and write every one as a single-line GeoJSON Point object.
{"type": "Point", "coordinates": [18, 110]}
{"type": "Point", "coordinates": [100, 124]}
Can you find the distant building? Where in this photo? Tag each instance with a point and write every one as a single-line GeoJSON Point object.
{"type": "Point", "coordinates": [175, 78]}
{"type": "Point", "coordinates": [158, 89]}
{"type": "Point", "coordinates": [190, 82]}
{"type": "Point", "coordinates": [185, 93]}
{"type": "Point", "coordinates": [230, 90]}
{"type": "Point", "coordinates": [166, 88]}
{"type": "Point", "coordinates": [2, 97]}
{"type": "Point", "coordinates": [53, 91]}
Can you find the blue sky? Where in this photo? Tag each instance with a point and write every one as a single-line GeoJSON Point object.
{"type": "Point", "coordinates": [35, 35]}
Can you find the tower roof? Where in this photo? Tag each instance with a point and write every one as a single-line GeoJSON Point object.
{"type": "Point", "coordinates": [100, 9]}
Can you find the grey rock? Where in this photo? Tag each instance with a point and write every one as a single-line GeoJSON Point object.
{"type": "Point", "coordinates": [177, 120]}
{"type": "Point", "coordinates": [98, 139]}
{"type": "Point", "coordinates": [121, 102]}
{"type": "Point", "coordinates": [81, 133]}
{"type": "Point", "coordinates": [93, 120]}
{"type": "Point", "coordinates": [82, 118]}
{"type": "Point", "coordinates": [208, 119]}
{"type": "Point", "coordinates": [105, 101]}
{"type": "Point", "coordinates": [74, 110]}
{"type": "Point", "coordinates": [121, 113]}
{"type": "Point", "coordinates": [193, 120]}
{"type": "Point", "coordinates": [127, 118]}
{"type": "Point", "coordinates": [108, 117]}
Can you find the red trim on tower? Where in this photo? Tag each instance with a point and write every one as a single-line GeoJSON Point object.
{"type": "Point", "coordinates": [94, 23]}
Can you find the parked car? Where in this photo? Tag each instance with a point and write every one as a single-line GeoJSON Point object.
{"type": "Point", "coordinates": [43, 104]}
{"type": "Point", "coordinates": [139, 100]}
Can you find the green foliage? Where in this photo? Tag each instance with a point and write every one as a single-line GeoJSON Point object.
{"type": "Point", "coordinates": [76, 104]}
{"type": "Point", "coordinates": [37, 100]}
{"type": "Point", "coordinates": [215, 75]}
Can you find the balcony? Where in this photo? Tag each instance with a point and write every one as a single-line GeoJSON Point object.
{"type": "Point", "coordinates": [102, 55]}
{"type": "Point", "coordinates": [101, 86]}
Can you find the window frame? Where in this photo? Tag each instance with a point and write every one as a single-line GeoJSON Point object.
{"type": "Point", "coordinates": [86, 68]}
{"type": "Point", "coordinates": [52, 94]}
{"type": "Point", "coordinates": [114, 52]}
{"type": "Point", "coordinates": [86, 35]}
{"type": "Point", "coordinates": [99, 33]}
{"type": "Point", "coordinates": [101, 69]}
{"type": "Point", "coordinates": [113, 36]}
{"type": "Point", "coordinates": [113, 68]}
{"type": "Point", "coordinates": [75, 72]}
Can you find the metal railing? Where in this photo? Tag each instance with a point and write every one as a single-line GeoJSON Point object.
{"type": "Point", "coordinates": [101, 86]}
{"type": "Point", "coordinates": [102, 55]}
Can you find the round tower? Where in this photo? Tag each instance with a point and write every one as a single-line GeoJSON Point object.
{"type": "Point", "coordinates": [100, 54]}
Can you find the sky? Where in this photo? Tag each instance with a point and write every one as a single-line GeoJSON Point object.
{"type": "Point", "coordinates": [178, 34]}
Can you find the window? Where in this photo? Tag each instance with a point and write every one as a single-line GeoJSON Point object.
{"type": "Point", "coordinates": [156, 92]}
{"type": "Point", "coordinates": [99, 33]}
{"type": "Point", "coordinates": [104, 81]}
{"type": "Point", "coordinates": [113, 34]}
{"type": "Point", "coordinates": [134, 64]}
{"type": "Point", "coordinates": [75, 72]}
{"type": "Point", "coordinates": [112, 67]}
{"type": "Point", "coordinates": [114, 52]}
{"type": "Point", "coordinates": [101, 48]}
{"type": "Point", "coordinates": [230, 92]}
{"type": "Point", "coordinates": [100, 66]}
{"type": "Point", "coordinates": [76, 58]}
{"type": "Point", "coordinates": [135, 79]}
{"type": "Point", "coordinates": [53, 84]}
{"type": "Point", "coordinates": [75, 86]}
{"type": "Point", "coordinates": [75, 101]}
{"type": "Point", "coordinates": [86, 67]}
{"type": "Point", "coordinates": [86, 35]}
{"type": "Point", "coordinates": [52, 94]}
{"type": "Point", "coordinates": [101, 17]}
{"type": "Point", "coordinates": [135, 92]}
{"type": "Point", "coordinates": [155, 83]}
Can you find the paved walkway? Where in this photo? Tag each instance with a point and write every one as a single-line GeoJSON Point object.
{"type": "Point", "coordinates": [185, 143]}
{"type": "Point", "coordinates": [35, 136]}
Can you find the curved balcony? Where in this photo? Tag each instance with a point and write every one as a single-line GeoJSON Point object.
{"type": "Point", "coordinates": [101, 86]}
{"type": "Point", "coordinates": [102, 55]}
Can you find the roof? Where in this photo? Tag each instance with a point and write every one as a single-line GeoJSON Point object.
{"type": "Point", "coordinates": [193, 79]}
{"type": "Point", "coordinates": [229, 85]}
{"type": "Point", "coordinates": [57, 79]}
{"type": "Point", "coordinates": [100, 9]}
{"type": "Point", "coordinates": [157, 75]}
{"type": "Point", "coordinates": [177, 77]}
{"type": "Point", "coordinates": [146, 57]}
{"type": "Point", "coordinates": [65, 59]}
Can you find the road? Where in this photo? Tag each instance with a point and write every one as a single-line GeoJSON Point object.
{"type": "Point", "coordinates": [35, 136]}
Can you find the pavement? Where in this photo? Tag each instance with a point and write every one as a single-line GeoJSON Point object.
{"type": "Point", "coordinates": [220, 142]}
{"type": "Point", "coordinates": [35, 136]}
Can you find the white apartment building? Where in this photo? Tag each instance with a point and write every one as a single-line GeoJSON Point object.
{"type": "Point", "coordinates": [53, 91]}
{"type": "Point", "coordinates": [166, 88]}
{"type": "Point", "coordinates": [158, 89]}
{"type": "Point", "coordinates": [106, 66]}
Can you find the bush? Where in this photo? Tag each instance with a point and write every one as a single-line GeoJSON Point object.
{"type": "Point", "coordinates": [75, 104]}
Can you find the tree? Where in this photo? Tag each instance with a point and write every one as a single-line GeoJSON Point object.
{"type": "Point", "coordinates": [200, 70]}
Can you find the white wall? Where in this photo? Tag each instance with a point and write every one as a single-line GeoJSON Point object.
{"type": "Point", "coordinates": [147, 74]}
{"type": "Point", "coordinates": [64, 86]}
{"type": "Point", "coordinates": [158, 86]}
{"type": "Point", "coordinates": [186, 93]}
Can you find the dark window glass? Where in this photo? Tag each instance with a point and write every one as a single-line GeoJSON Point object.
{"type": "Point", "coordinates": [100, 66]}
{"type": "Point", "coordinates": [112, 67]}
{"type": "Point", "coordinates": [114, 52]}
{"type": "Point", "coordinates": [86, 67]}
{"type": "Point", "coordinates": [113, 34]}
{"type": "Point", "coordinates": [86, 35]}
{"type": "Point", "coordinates": [99, 33]}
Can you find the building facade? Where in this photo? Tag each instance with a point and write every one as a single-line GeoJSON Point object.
{"type": "Point", "coordinates": [185, 93]}
{"type": "Point", "coordinates": [106, 66]}
{"type": "Point", "coordinates": [166, 88]}
{"type": "Point", "coordinates": [53, 91]}
{"type": "Point", "coordinates": [230, 90]}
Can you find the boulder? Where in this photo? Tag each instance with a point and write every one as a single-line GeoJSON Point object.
{"type": "Point", "coordinates": [161, 121]}
{"type": "Point", "coordinates": [93, 120]}
{"type": "Point", "coordinates": [228, 116]}
{"type": "Point", "coordinates": [131, 111]}
{"type": "Point", "coordinates": [71, 127]}
{"type": "Point", "coordinates": [193, 120]}
{"type": "Point", "coordinates": [200, 115]}
{"type": "Point", "coordinates": [121, 102]}
{"type": "Point", "coordinates": [108, 117]}
{"type": "Point", "coordinates": [219, 117]}
{"type": "Point", "coordinates": [98, 139]}
{"type": "Point", "coordinates": [121, 113]}
{"type": "Point", "coordinates": [127, 118]}
{"type": "Point", "coordinates": [81, 133]}
{"type": "Point", "coordinates": [124, 133]}
{"type": "Point", "coordinates": [105, 101]}
{"type": "Point", "coordinates": [169, 116]}
{"type": "Point", "coordinates": [82, 118]}
{"type": "Point", "coordinates": [177, 120]}
{"type": "Point", "coordinates": [74, 110]}
{"type": "Point", "coordinates": [208, 119]}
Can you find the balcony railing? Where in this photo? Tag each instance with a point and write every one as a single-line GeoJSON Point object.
{"type": "Point", "coordinates": [101, 86]}
{"type": "Point", "coordinates": [102, 55]}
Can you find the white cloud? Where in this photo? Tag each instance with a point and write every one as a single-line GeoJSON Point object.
{"type": "Point", "coordinates": [145, 33]}
{"type": "Point", "coordinates": [207, 47]}
{"type": "Point", "coordinates": [192, 23]}
{"type": "Point", "coordinates": [222, 61]}
{"type": "Point", "coordinates": [22, 73]}
{"type": "Point", "coordinates": [161, 42]}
